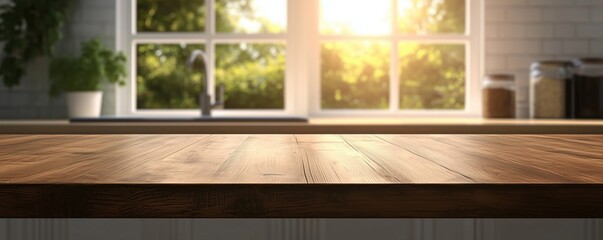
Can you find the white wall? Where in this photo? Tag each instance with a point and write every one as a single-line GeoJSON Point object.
{"type": "Point", "coordinates": [519, 32]}
{"type": "Point", "coordinates": [30, 100]}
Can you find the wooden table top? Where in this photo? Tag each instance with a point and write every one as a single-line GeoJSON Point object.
{"type": "Point", "coordinates": [301, 175]}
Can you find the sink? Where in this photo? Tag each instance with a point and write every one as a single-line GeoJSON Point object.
{"type": "Point", "coordinates": [186, 119]}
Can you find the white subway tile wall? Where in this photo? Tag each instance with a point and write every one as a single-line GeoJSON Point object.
{"type": "Point", "coordinates": [517, 32]}
{"type": "Point", "coordinates": [30, 100]}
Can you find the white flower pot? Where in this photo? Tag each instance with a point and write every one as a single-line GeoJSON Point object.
{"type": "Point", "coordinates": [84, 104]}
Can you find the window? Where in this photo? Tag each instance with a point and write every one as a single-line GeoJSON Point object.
{"type": "Point", "coordinates": [394, 55]}
{"type": "Point", "coordinates": [244, 39]}
{"type": "Point", "coordinates": [311, 57]}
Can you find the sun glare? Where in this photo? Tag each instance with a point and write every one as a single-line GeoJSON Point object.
{"type": "Point", "coordinates": [404, 6]}
{"type": "Point", "coordinates": [357, 17]}
{"type": "Point", "coordinates": [273, 12]}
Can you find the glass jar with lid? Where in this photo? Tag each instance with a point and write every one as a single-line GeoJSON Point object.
{"type": "Point", "coordinates": [588, 88]}
{"type": "Point", "coordinates": [548, 89]}
{"type": "Point", "coordinates": [499, 96]}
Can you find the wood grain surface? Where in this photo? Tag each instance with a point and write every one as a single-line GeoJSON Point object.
{"type": "Point", "coordinates": [301, 176]}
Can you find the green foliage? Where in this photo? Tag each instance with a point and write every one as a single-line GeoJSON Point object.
{"type": "Point", "coordinates": [232, 12]}
{"type": "Point", "coordinates": [432, 76]}
{"type": "Point", "coordinates": [96, 64]}
{"type": "Point", "coordinates": [163, 80]}
{"type": "Point", "coordinates": [30, 29]}
{"type": "Point", "coordinates": [226, 22]}
{"type": "Point", "coordinates": [432, 16]}
{"type": "Point", "coordinates": [355, 75]}
{"type": "Point", "coordinates": [253, 75]}
{"type": "Point", "coordinates": [170, 15]}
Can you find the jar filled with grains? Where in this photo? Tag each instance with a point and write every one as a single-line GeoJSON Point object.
{"type": "Point", "coordinates": [547, 89]}
{"type": "Point", "coordinates": [499, 96]}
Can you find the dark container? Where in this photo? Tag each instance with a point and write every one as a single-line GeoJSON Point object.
{"type": "Point", "coordinates": [499, 96]}
{"type": "Point", "coordinates": [569, 90]}
{"type": "Point", "coordinates": [588, 88]}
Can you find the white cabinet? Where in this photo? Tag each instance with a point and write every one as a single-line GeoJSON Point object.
{"type": "Point", "coordinates": [301, 229]}
{"type": "Point", "coordinates": [226, 229]}
{"type": "Point", "coordinates": [398, 229]}
{"type": "Point", "coordinates": [34, 229]}
{"type": "Point", "coordinates": [3, 228]}
{"type": "Point", "coordinates": [546, 229]}
{"type": "Point", "coordinates": [103, 229]}
{"type": "Point", "coordinates": [361, 229]}
{"type": "Point", "coordinates": [453, 229]}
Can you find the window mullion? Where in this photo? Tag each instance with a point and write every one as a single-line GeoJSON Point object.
{"type": "Point", "coordinates": [210, 17]}
{"type": "Point", "coordinates": [313, 57]}
{"type": "Point", "coordinates": [199, 37]}
{"type": "Point", "coordinates": [211, 48]}
{"type": "Point", "coordinates": [433, 37]}
{"type": "Point", "coordinates": [394, 89]}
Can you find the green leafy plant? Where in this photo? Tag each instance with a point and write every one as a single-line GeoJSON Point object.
{"type": "Point", "coordinates": [29, 29]}
{"type": "Point", "coordinates": [96, 65]}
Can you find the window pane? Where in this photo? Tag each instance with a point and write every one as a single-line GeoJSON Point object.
{"type": "Point", "coordinates": [251, 16]}
{"type": "Point", "coordinates": [432, 76]}
{"type": "Point", "coordinates": [163, 79]}
{"type": "Point", "coordinates": [355, 75]}
{"type": "Point", "coordinates": [431, 16]}
{"type": "Point", "coordinates": [253, 75]}
{"type": "Point", "coordinates": [364, 17]}
{"type": "Point", "coordinates": [170, 15]}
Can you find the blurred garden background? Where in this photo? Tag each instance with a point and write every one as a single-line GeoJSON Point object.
{"type": "Point", "coordinates": [355, 73]}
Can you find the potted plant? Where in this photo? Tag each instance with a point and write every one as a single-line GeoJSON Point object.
{"type": "Point", "coordinates": [82, 78]}
{"type": "Point", "coordinates": [29, 29]}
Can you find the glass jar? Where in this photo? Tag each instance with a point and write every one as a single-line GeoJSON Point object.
{"type": "Point", "coordinates": [499, 96]}
{"type": "Point", "coordinates": [569, 89]}
{"type": "Point", "coordinates": [547, 89]}
{"type": "Point", "coordinates": [588, 88]}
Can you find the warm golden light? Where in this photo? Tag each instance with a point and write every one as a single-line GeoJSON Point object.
{"type": "Point", "coordinates": [357, 17]}
{"type": "Point", "coordinates": [404, 7]}
{"type": "Point", "coordinates": [431, 16]}
{"type": "Point", "coordinates": [257, 16]}
{"type": "Point", "coordinates": [265, 12]}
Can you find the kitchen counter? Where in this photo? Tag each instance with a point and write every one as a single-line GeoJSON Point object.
{"type": "Point", "coordinates": [313, 126]}
{"type": "Point", "coordinates": [306, 176]}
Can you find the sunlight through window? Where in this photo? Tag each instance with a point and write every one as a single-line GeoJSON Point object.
{"type": "Point", "coordinates": [355, 75]}
{"type": "Point", "coordinates": [257, 16]}
{"type": "Point", "coordinates": [359, 17]}
{"type": "Point", "coordinates": [431, 16]}
{"type": "Point", "coordinates": [323, 57]}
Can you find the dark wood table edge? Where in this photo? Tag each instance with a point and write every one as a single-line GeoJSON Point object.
{"type": "Point", "coordinates": [297, 128]}
{"type": "Point", "coordinates": [301, 200]}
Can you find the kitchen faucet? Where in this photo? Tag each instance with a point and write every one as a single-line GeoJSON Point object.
{"type": "Point", "coordinates": [204, 96]}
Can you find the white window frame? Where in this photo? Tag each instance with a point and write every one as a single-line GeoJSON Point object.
{"type": "Point", "coordinates": [302, 78]}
